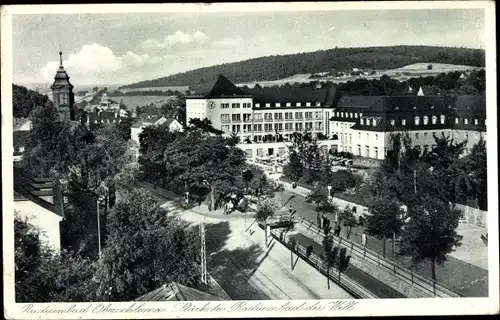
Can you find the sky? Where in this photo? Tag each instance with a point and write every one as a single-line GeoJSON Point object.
{"type": "Point", "coordinates": [123, 48]}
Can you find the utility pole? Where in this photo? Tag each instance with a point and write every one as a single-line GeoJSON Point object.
{"type": "Point", "coordinates": [98, 227]}
{"type": "Point", "coordinates": [203, 254]}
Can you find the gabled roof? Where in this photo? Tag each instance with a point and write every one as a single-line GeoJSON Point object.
{"type": "Point", "coordinates": [430, 90]}
{"type": "Point", "coordinates": [221, 86]}
{"type": "Point", "coordinates": [178, 292]}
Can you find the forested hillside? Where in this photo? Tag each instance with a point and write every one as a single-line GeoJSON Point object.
{"type": "Point", "coordinates": [24, 100]}
{"type": "Point", "coordinates": [278, 67]}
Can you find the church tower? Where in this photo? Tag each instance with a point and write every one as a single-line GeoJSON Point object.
{"type": "Point", "coordinates": [62, 93]}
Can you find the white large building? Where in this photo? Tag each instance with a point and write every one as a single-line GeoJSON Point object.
{"type": "Point", "coordinates": [364, 124]}
{"type": "Point", "coordinates": [262, 117]}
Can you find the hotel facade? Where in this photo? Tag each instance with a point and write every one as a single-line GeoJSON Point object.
{"type": "Point", "coordinates": [361, 125]}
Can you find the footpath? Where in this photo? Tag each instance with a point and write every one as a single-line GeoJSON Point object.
{"type": "Point", "coordinates": [465, 270]}
{"type": "Point", "coordinates": [241, 262]}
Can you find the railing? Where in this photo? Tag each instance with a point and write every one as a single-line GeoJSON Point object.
{"type": "Point", "coordinates": [288, 119]}
{"type": "Point", "coordinates": [337, 277]}
{"type": "Point", "coordinates": [402, 272]}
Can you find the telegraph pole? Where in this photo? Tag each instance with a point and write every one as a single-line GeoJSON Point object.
{"type": "Point", "coordinates": [98, 227]}
{"type": "Point", "coordinates": [203, 254]}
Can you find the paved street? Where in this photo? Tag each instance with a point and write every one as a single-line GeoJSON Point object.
{"type": "Point", "coordinates": [463, 271]}
{"type": "Point", "coordinates": [248, 269]}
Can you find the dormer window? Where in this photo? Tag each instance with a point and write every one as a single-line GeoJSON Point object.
{"type": "Point", "coordinates": [476, 121]}
{"type": "Point", "coordinates": [298, 104]}
{"type": "Point", "coordinates": [342, 114]}
{"type": "Point", "coordinates": [288, 104]}
{"type": "Point", "coordinates": [268, 105]}
{"type": "Point", "coordinates": [403, 122]}
{"type": "Point", "coordinates": [257, 105]}
{"type": "Point", "coordinates": [442, 118]}
{"type": "Point", "coordinates": [318, 104]}
{"type": "Point", "coordinates": [362, 121]}
{"type": "Point", "coordinates": [367, 122]}
{"type": "Point", "coordinates": [414, 108]}
{"type": "Point", "coordinates": [417, 120]}
{"type": "Point", "coordinates": [432, 107]}
{"type": "Point", "coordinates": [308, 104]}
{"type": "Point", "coordinates": [356, 115]}
{"type": "Point", "coordinates": [434, 119]}
{"type": "Point", "coordinates": [457, 121]}
{"type": "Point", "coordinates": [393, 122]}
{"type": "Point", "coordinates": [278, 104]}
{"type": "Point", "coordinates": [374, 123]}
{"type": "Point", "coordinates": [466, 121]}
{"type": "Point", "coordinates": [426, 120]}
{"type": "Point", "coordinates": [350, 115]}
{"type": "Point", "coordinates": [338, 114]}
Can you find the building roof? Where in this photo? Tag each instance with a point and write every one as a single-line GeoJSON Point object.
{"type": "Point", "coordinates": [38, 190]}
{"type": "Point", "coordinates": [357, 101]}
{"type": "Point", "coordinates": [178, 292]}
{"type": "Point", "coordinates": [431, 90]}
{"type": "Point", "coordinates": [220, 86]}
{"type": "Point", "coordinates": [61, 78]}
{"type": "Point", "coordinates": [282, 95]}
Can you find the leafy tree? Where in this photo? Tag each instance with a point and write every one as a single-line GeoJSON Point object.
{"type": "Point", "coordinates": [247, 177]}
{"type": "Point", "coordinates": [476, 163]}
{"type": "Point", "coordinates": [146, 248]}
{"type": "Point", "coordinates": [294, 168]}
{"type": "Point", "coordinates": [266, 207]}
{"type": "Point", "coordinates": [385, 219]}
{"type": "Point", "coordinates": [43, 276]}
{"type": "Point", "coordinates": [204, 125]}
{"type": "Point", "coordinates": [25, 100]}
{"type": "Point", "coordinates": [347, 216]}
{"type": "Point", "coordinates": [329, 255]}
{"type": "Point", "coordinates": [431, 232]}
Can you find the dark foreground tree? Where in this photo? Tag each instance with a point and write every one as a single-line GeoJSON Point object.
{"type": "Point", "coordinates": [146, 248]}
{"type": "Point", "coordinates": [431, 232]}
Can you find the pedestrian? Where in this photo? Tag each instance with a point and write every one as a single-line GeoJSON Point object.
{"type": "Point", "coordinates": [337, 229]}
{"type": "Point", "coordinates": [363, 239]}
{"type": "Point", "coordinates": [290, 210]}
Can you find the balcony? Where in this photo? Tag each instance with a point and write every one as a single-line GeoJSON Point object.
{"type": "Point", "coordinates": [289, 119]}
{"type": "Point", "coordinates": [225, 121]}
{"type": "Point", "coordinates": [258, 120]}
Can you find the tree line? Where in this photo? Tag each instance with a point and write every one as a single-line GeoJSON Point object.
{"type": "Point", "coordinates": [279, 67]}
{"type": "Point", "coordinates": [25, 100]}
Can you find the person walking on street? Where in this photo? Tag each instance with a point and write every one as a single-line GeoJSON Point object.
{"type": "Point", "coordinates": [337, 229]}
{"type": "Point", "coordinates": [363, 239]}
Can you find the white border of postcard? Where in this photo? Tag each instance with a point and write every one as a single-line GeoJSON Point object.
{"type": "Point", "coordinates": [198, 309]}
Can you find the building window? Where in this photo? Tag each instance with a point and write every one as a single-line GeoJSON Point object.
{"type": "Point", "coordinates": [426, 120]}
{"type": "Point", "coordinates": [288, 104]}
{"type": "Point", "coordinates": [318, 104]}
{"type": "Point", "coordinates": [442, 118]}
{"type": "Point", "coordinates": [257, 105]}
{"type": "Point", "coordinates": [236, 128]}
{"type": "Point", "coordinates": [466, 135]}
{"type": "Point", "coordinates": [288, 115]}
{"type": "Point", "coordinates": [403, 122]}
{"type": "Point", "coordinates": [375, 149]}
{"type": "Point", "coordinates": [367, 151]}
{"type": "Point", "coordinates": [376, 136]}
{"type": "Point", "coordinates": [298, 115]}
{"type": "Point", "coordinates": [351, 115]}
{"type": "Point", "coordinates": [278, 104]}
{"type": "Point", "coordinates": [278, 126]}
{"type": "Point", "coordinates": [64, 98]}
{"type": "Point", "coordinates": [248, 153]}
{"type": "Point", "coordinates": [319, 126]}
{"type": "Point", "coordinates": [417, 120]}
{"type": "Point", "coordinates": [338, 114]}
{"type": "Point", "coordinates": [466, 121]}
{"type": "Point", "coordinates": [288, 126]}
{"type": "Point", "coordinates": [260, 152]}
{"type": "Point", "coordinates": [393, 122]}
{"type": "Point", "coordinates": [476, 121]}
{"type": "Point", "coordinates": [236, 117]}
{"type": "Point", "coordinates": [359, 150]}
{"type": "Point", "coordinates": [278, 116]}
{"type": "Point", "coordinates": [297, 104]}
{"type": "Point", "coordinates": [416, 135]}
{"type": "Point", "coordinates": [374, 123]}
{"type": "Point", "coordinates": [268, 105]}
{"type": "Point", "coordinates": [308, 104]}
{"type": "Point", "coordinates": [268, 116]}
{"type": "Point", "coordinates": [434, 134]}
{"type": "Point", "coordinates": [298, 127]}
{"type": "Point", "coordinates": [224, 118]}
{"type": "Point", "coordinates": [457, 121]}
{"type": "Point", "coordinates": [235, 105]}
{"type": "Point", "coordinates": [309, 115]}
{"type": "Point", "coordinates": [225, 128]}
{"type": "Point", "coordinates": [268, 127]}
{"type": "Point", "coordinates": [434, 119]}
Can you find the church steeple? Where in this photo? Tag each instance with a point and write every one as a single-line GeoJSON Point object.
{"type": "Point", "coordinates": [62, 92]}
